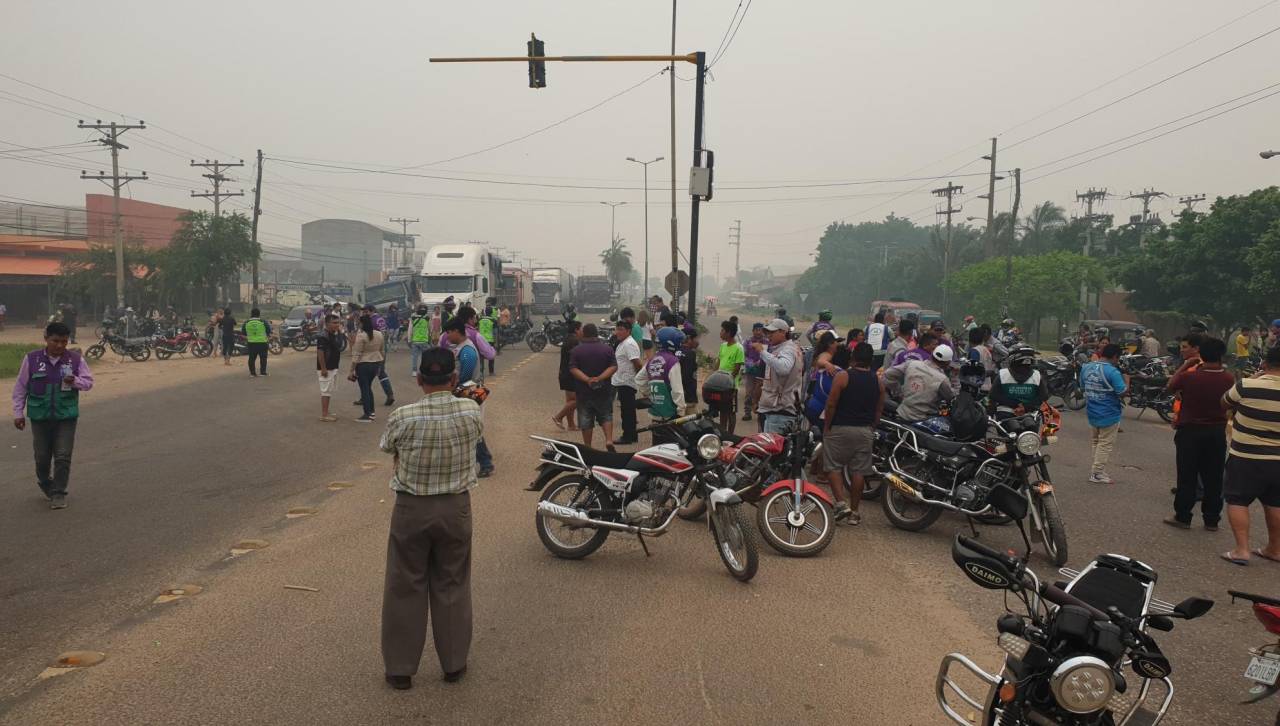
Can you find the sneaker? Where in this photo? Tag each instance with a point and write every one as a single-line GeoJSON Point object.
{"type": "Point", "coordinates": [400, 683]}
{"type": "Point", "coordinates": [365, 419]}
{"type": "Point", "coordinates": [1175, 522]}
{"type": "Point", "coordinates": [1100, 477]}
{"type": "Point", "coordinates": [485, 473]}
{"type": "Point", "coordinates": [58, 501]}
{"type": "Point", "coordinates": [1211, 527]}
{"type": "Point", "coordinates": [328, 419]}
{"type": "Point", "coordinates": [264, 374]}
{"type": "Point", "coordinates": [746, 416]}
{"type": "Point", "coordinates": [842, 512]}
{"type": "Point", "coordinates": [390, 401]}
{"type": "Point", "coordinates": [855, 518]}
{"type": "Point", "coordinates": [357, 403]}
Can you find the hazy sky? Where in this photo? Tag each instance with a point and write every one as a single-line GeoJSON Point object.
{"type": "Point", "coordinates": [808, 92]}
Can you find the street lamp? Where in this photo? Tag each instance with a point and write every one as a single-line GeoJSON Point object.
{"type": "Point", "coordinates": [613, 216]}
{"type": "Point", "coordinates": [646, 164]}
{"type": "Point", "coordinates": [1269, 154]}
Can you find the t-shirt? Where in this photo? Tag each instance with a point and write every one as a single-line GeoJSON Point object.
{"type": "Point", "coordinates": [1202, 391]}
{"type": "Point", "coordinates": [1102, 384]}
{"type": "Point", "coordinates": [592, 357]}
{"type": "Point", "coordinates": [1255, 430]}
{"type": "Point", "coordinates": [328, 345]}
{"type": "Point", "coordinates": [1242, 346]}
{"type": "Point", "coordinates": [637, 333]}
{"type": "Point", "coordinates": [628, 350]}
{"type": "Point", "coordinates": [731, 355]}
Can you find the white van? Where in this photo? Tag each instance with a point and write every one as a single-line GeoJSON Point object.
{"type": "Point", "coordinates": [467, 273]}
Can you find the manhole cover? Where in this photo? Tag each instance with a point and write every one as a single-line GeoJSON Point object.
{"type": "Point", "coordinates": [177, 593]}
{"type": "Point", "coordinates": [336, 485]}
{"type": "Point", "coordinates": [246, 546]}
{"type": "Point", "coordinates": [301, 512]}
{"type": "Point", "coordinates": [79, 659]}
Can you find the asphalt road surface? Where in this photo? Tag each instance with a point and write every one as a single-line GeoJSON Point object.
{"type": "Point", "coordinates": [165, 483]}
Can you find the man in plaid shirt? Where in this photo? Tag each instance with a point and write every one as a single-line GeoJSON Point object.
{"type": "Point", "coordinates": [429, 547]}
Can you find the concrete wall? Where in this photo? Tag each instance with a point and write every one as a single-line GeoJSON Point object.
{"type": "Point", "coordinates": [342, 247]}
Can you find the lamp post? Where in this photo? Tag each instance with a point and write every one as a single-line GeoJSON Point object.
{"type": "Point", "coordinates": [613, 218]}
{"type": "Point", "coordinates": [646, 164]}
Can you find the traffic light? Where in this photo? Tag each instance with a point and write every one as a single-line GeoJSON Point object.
{"type": "Point", "coordinates": [537, 69]}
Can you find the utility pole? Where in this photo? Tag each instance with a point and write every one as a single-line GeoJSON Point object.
{"type": "Point", "coordinates": [405, 237]}
{"type": "Point", "coordinates": [1013, 232]}
{"type": "Point", "coordinates": [736, 230]}
{"type": "Point", "coordinates": [217, 177]}
{"type": "Point", "coordinates": [257, 212]}
{"type": "Point", "coordinates": [949, 191]}
{"type": "Point", "coordinates": [989, 244]}
{"type": "Point", "coordinates": [1146, 195]}
{"type": "Point", "coordinates": [111, 137]}
{"type": "Point", "coordinates": [645, 164]}
{"type": "Point", "coordinates": [1089, 198]}
{"type": "Point", "coordinates": [671, 71]}
{"type": "Point", "coordinates": [1189, 202]}
{"type": "Point", "coordinates": [717, 258]}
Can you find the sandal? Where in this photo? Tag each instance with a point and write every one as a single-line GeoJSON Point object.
{"type": "Point", "coordinates": [1259, 553]}
{"type": "Point", "coordinates": [1234, 560]}
{"type": "Point", "coordinates": [855, 518]}
{"type": "Point", "coordinates": [559, 424]}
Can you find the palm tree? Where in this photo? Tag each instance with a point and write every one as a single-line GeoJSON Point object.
{"type": "Point", "coordinates": [617, 261]}
{"type": "Point", "coordinates": [1044, 218]}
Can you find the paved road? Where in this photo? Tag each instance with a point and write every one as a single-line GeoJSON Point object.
{"type": "Point", "coordinates": [166, 483]}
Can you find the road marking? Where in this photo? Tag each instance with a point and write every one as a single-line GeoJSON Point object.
{"type": "Point", "coordinates": [339, 485]}
{"type": "Point", "coordinates": [177, 593]}
{"type": "Point", "coordinates": [246, 546]}
{"type": "Point", "coordinates": [300, 512]}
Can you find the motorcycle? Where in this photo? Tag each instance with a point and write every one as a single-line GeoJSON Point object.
{"type": "Point", "coordinates": [929, 474]}
{"type": "Point", "coordinates": [1264, 666]}
{"type": "Point", "coordinates": [138, 349]}
{"type": "Point", "coordinates": [1064, 659]}
{"type": "Point", "coordinates": [1149, 392]}
{"type": "Point", "coordinates": [1062, 376]}
{"type": "Point", "coordinates": [180, 342]}
{"type": "Point", "coordinates": [298, 337]}
{"type": "Point", "coordinates": [241, 346]}
{"type": "Point", "coordinates": [556, 331]}
{"type": "Point", "coordinates": [513, 333]}
{"type": "Point", "coordinates": [590, 493]}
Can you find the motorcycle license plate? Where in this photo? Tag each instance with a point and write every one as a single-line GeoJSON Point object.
{"type": "Point", "coordinates": [1263, 669]}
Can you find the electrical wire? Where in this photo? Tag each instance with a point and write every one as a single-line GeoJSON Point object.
{"type": "Point", "coordinates": [728, 28]}
{"type": "Point", "coordinates": [741, 18]}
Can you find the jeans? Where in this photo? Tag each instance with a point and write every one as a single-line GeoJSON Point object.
{"type": "Point", "coordinates": [384, 379]}
{"type": "Point", "coordinates": [779, 423]}
{"type": "Point", "coordinates": [415, 355]}
{"type": "Point", "coordinates": [627, 406]}
{"type": "Point", "coordinates": [1201, 455]}
{"type": "Point", "coordinates": [483, 457]}
{"type": "Point", "coordinates": [258, 351]}
{"type": "Point", "coordinates": [1104, 441]}
{"type": "Point", "coordinates": [53, 442]}
{"type": "Point", "coordinates": [365, 373]}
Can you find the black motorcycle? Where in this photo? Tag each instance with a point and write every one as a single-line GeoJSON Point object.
{"type": "Point", "coordinates": [1148, 392]}
{"type": "Point", "coordinates": [512, 334]}
{"type": "Point", "coordinates": [138, 349]}
{"type": "Point", "coordinates": [1065, 659]}
{"type": "Point", "coordinates": [1062, 376]}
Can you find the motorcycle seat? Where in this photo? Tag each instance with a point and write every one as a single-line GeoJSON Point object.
{"type": "Point", "coordinates": [946, 447]}
{"type": "Point", "coordinates": [596, 457]}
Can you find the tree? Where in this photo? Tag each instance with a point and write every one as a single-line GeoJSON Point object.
{"type": "Point", "coordinates": [617, 261]}
{"type": "Point", "coordinates": [208, 250]}
{"type": "Point", "coordinates": [1038, 227]}
{"type": "Point", "coordinates": [1043, 286]}
{"type": "Point", "coordinates": [1224, 265]}
{"type": "Point", "coordinates": [91, 275]}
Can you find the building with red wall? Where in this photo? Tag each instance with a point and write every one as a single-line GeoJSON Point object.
{"type": "Point", "coordinates": [151, 224]}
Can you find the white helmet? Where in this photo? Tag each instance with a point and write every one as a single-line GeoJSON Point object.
{"type": "Point", "coordinates": [944, 354]}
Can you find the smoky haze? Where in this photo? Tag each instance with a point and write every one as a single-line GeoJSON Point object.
{"type": "Point", "coordinates": [807, 92]}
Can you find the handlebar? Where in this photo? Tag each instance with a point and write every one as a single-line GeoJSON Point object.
{"type": "Point", "coordinates": [1048, 591]}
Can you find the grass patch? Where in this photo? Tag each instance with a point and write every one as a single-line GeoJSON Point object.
{"type": "Point", "coordinates": [11, 355]}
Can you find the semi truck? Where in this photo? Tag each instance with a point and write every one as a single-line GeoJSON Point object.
{"type": "Point", "coordinates": [595, 294]}
{"type": "Point", "coordinates": [467, 273]}
{"type": "Point", "coordinates": [516, 292]}
{"type": "Point", "coordinates": [552, 290]}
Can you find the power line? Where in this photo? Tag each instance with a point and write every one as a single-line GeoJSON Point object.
{"type": "Point", "coordinates": [725, 37]}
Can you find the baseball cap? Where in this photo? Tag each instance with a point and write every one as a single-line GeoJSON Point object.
{"type": "Point", "coordinates": [777, 324]}
{"type": "Point", "coordinates": [757, 326]}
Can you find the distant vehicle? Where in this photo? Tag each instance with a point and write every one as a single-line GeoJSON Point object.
{"type": "Point", "coordinates": [293, 297]}
{"type": "Point", "coordinates": [926, 317]}
{"type": "Point", "coordinates": [403, 291]}
{"type": "Point", "coordinates": [897, 306]}
{"type": "Point", "coordinates": [516, 292]}
{"type": "Point", "coordinates": [552, 290]}
{"type": "Point", "coordinates": [467, 273]}
{"type": "Point", "coordinates": [595, 294]}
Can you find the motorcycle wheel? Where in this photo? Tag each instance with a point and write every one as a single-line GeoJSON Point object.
{"type": "Point", "coordinates": [536, 342]}
{"type": "Point", "coordinates": [1165, 410]}
{"type": "Point", "coordinates": [906, 512]}
{"type": "Point", "coordinates": [735, 541]}
{"type": "Point", "coordinates": [201, 348]}
{"type": "Point", "coordinates": [555, 338]}
{"type": "Point", "coordinates": [118, 349]}
{"type": "Point", "coordinates": [274, 346]}
{"type": "Point", "coordinates": [300, 343]}
{"type": "Point", "coordinates": [560, 538]}
{"type": "Point", "coordinates": [775, 518]}
{"type": "Point", "coordinates": [163, 354]}
{"type": "Point", "coordinates": [1053, 534]}
{"type": "Point", "coordinates": [95, 351]}
{"type": "Point", "coordinates": [140, 354]}
{"type": "Point", "coordinates": [872, 487]}
{"type": "Point", "coordinates": [1074, 398]}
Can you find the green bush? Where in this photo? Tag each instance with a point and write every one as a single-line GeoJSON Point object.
{"type": "Point", "coordinates": [11, 355]}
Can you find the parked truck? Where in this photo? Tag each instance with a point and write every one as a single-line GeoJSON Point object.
{"type": "Point", "coordinates": [595, 294]}
{"type": "Point", "coordinates": [552, 290]}
{"type": "Point", "coordinates": [516, 292]}
{"type": "Point", "coordinates": [467, 273]}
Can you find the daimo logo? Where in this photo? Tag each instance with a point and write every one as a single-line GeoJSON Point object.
{"type": "Point", "coordinates": [995, 579]}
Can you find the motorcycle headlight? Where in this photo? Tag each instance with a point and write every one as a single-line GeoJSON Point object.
{"type": "Point", "coordinates": [1082, 684]}
{"type": "Point", "coordinates": [709, 447]}
{"type": "Point", "coordinates": [1028, 443]}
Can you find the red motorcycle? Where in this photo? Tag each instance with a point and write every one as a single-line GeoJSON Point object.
{"type": "Point", "coordinates": [1264, 667]}
{"type": "Point", "coordinates": [181, 342]}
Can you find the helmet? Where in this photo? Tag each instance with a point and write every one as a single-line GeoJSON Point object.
{"type": "Point", "coordinates": [944, 354]}
{"type": "Point", "coordinates": [422, 308]}
{"type": "Point", "coordinates": [824, 315]}
{"type": "Point", "coordinates": [1007, 322]}
{"type": "Point", "coordinates": [968, 318]}
{"type": "Point", "coordinates": [449, 303]}
{"type": "Point", "coordinates": [1023, 355]}
{"type": "Point", "coordinates": [670, 338]}
{"type": "Point", "coordinates": [1198, 326]}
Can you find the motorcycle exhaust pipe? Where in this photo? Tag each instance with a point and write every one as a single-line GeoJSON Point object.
{"type": "Point", "coordinates": [899, 483]}
{"type": "Point", "coordinates": [580, 518]}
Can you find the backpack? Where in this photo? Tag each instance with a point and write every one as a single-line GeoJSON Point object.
{"type": "Point", "coordinates": [968, 417]}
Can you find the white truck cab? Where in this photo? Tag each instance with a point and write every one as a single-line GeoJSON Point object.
{"type": "Point", "coordinates": [467, 273]}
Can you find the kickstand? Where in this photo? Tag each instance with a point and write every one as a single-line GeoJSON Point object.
{"type": "Point", "coordinates": [643, 546]}
{"type": "Point", "coordinates": [972, 528]}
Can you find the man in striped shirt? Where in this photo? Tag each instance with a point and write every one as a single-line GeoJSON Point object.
{"type": "Point", "coordinates": [1253, 461]}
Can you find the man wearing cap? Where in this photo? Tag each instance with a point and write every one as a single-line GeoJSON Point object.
{"type": "Point", "coordinates": [429, 546]}
{"type": "Point", "coordinates": [783, 378]}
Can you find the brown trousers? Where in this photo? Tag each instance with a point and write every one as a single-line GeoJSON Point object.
{"type": "Point", "coordinates": [428, 569]}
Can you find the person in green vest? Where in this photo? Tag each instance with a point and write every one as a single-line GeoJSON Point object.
{"type": "Point", "coordinates": [419, 335]}
{"type": "Point", "coordinates": [486, 325]}
{"type": "Point", "coordinates": [47, 394]}
{"type": "Point", "coordinates": [1019, 388]}
{"type": "Point", "coordinates": [257, 334]}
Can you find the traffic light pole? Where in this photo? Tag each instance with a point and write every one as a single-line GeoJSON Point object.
{"type": "Point", "coordinates": [698, 59]}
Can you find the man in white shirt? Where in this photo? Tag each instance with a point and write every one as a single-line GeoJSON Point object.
{"type": "Point", "coordinates": [627, 356]}
{"type": "Point", "coordinates": [878, 335]}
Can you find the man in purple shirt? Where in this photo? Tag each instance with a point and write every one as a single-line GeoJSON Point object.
{"type": "Point", "coordinates": [47, 393]}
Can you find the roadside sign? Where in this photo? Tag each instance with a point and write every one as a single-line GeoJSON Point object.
{"type": "Point", "coordinates": [677, 282]}
{"type": "Point", "coordinates": [803, 296]}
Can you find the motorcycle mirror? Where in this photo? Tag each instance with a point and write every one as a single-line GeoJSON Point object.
{"type": "Point", "coordinates": [1007, 501]}
{"type": "Point", "coordinates": [1193, 607]}
{"type": "Point", "coordinates": [1160, 622]}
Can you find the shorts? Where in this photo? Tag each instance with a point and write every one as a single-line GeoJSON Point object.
{"type": "Point", "coordinates": [327, 384]}
{"type": "Point", "coordinates": [777, 422]}
{"type": "Point", "coordinates": [1250, 479]}
{"type": "Point", "coordinates": [596, 410]}
{"type": "Point", "coordinates": [849, 448]}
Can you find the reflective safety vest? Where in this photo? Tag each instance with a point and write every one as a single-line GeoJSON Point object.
{"type": "Point", "coordinates": [420, 329]}
{"type": "Point", "coordinates": [1025, 392]}
{"type": "Point", "coordinates": [255, 331]}
{"type": "Point", "coordinates": [485, 326]}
